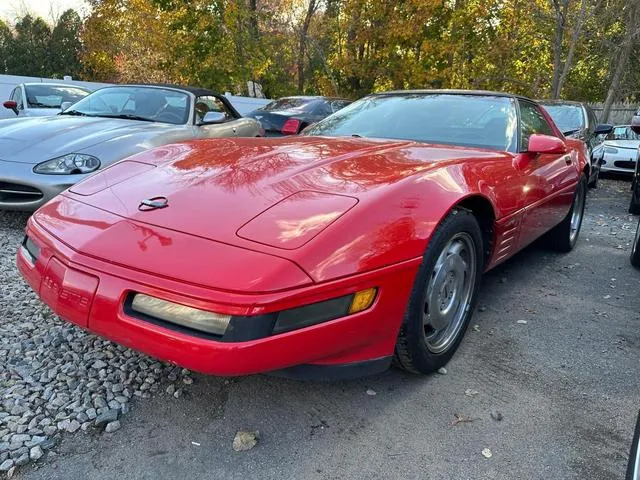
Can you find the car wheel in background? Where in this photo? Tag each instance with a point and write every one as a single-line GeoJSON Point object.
{"type": "Point", "coordinates": [443, 295]}
{"type": "Point", "coordinates": [565, 235]}
{"type": "Point", "coordinates": [635, 249]}
{"type": "Point", "coordinates": [634, 204]}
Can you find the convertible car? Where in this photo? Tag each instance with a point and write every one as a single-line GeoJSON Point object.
{"type": "Point", "coordinates": [328, 254]}
{"type": "Point", "coordinates": [40, 157]}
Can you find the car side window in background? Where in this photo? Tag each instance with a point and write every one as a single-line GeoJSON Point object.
{"type": "Point", "coordinates": [210, 103]}
{"type": "Point", "coordinates": [16, 96]}
{"type": "Point", "coordinates": [531, 122]}
{"type": "Point", "coordinates": [338, 105]}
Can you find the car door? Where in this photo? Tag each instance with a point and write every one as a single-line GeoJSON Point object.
{"type": "Point", "coordinates": [552, 177]}
{"type": "Point", "coordinates": [16, 96]}
{"type": "Point", "coordinates": [231, 126]}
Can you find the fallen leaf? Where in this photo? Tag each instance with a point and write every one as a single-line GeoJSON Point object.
{"type": "Point", "coordinates": [457, 418]}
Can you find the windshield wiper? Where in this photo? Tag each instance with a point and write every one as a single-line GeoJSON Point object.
{"type": "Point", "coordinates": [129, 116]}
{"type": "Point", "coordinates": [571, 132]}
{"type": "Point", "coordinates": [75, 112]}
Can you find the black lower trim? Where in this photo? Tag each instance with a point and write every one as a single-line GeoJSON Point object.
{"type": "Point", "coordinates": [330, 373]}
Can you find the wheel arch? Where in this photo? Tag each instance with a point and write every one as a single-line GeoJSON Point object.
{"type": "Point", "coordinates": [482, 209]}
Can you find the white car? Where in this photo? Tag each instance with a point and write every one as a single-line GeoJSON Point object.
{"type": "Point", "coordinates": [43, 99]}
{"type": "Point", "coordinates": [619, 150]}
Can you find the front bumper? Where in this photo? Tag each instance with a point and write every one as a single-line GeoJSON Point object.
{"type": "Point", "coordinates": [93, 293]}
{"type": "Point", "coordinates": [622, 162]}
{"type": "Point", "coordinates": [22, 189]}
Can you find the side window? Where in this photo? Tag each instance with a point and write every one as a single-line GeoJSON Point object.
{"type": "Point", "coordinates": [532, 121]}
{"type": "Point", "coordinates": [206, 104]}
{"type": "Point", "coordinates": [16, 95]}
{"type": "Point", "coordinates": [338, 105]}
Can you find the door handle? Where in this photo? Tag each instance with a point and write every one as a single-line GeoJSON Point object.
{"type": "Point", "coordinates": [567, 159]}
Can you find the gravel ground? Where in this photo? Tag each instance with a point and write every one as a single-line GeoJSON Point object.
{"type": "Point", "coordinates": [56, 378]}
{"type": "Point", "coordinates": [545, 386]}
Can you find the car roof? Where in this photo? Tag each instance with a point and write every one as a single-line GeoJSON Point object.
{"type": "Point", "coordinates": [312, 97]}
{"type": "Point", "coordinates": [452, 91]}
{"type": "Point", "coordinates": [560, 102]}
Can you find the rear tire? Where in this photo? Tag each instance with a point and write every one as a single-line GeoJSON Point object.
{"type": "Point", "coordinates": [563, 237]}
{"type": "Point", "coordinates": [635, 249]}
{"type": "Point", "coordinates": [443, 295]}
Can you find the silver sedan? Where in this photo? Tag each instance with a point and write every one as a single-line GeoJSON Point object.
{"type": "Point", "coordinates": [41, 157]}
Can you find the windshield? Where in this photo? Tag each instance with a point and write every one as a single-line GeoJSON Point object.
{"type": "Point", "coordinates": [567, 117]}
{"type": "Point", "coordinates": [288, 104]}
{"type": "Point", "coordinates": [135, 103]}
{"type": "Point", "coordinates": [52, 96]}
{"type": "Point", "coordinates": [622, 132]}
{"type": "Point", "coordinates": [467, 120]}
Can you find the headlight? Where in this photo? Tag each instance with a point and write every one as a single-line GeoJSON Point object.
{"type": "Point", "coordinates": [240, 328]}
{"type": "Point", "coordinates": [189, 317]}
{"type": "Point", "coordinates": [71, 164]}
{"type": "Point", "coordinates": [610, 150]}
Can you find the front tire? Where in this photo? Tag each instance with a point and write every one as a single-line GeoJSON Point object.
{"type": "Point", "coordinates": [635, 249]}
{"type": "Point", "coordinates": [594, 183]}
{"type": "Point", "coordinates": [443, 295]}
{"type": "Point", "coordinates": [564, 236]}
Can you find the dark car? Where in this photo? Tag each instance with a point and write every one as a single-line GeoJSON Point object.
{"type": "Point", "coordinates": [578, 120]}
{"type": "Point", "coordinates": [634, 204]}
{"type": "Point", "coordinates": [289, 115]}
{"type": "Point", "coordinates": [633, 468]}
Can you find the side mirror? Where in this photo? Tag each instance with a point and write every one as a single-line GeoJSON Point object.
{"type": "Point", "coordinates": [65, 105]}
{"type": "Point", "coordinates": [11, 105]}
{"type": "Point", "coordinates": [546, 144]}
{"type": "Point", "coordinates": [633, 469]}
{"type": "Point", "coordinates": [213, 117]}
{"type": "Point", "coordinates": [635, 123]}
{"type": "Point", "coordinates": [603, 128]}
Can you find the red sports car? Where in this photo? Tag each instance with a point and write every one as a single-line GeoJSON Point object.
{"type": "Point", "coordinates": [328, 254]}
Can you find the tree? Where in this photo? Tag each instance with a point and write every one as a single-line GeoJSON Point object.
{"type": "Point", "coordinates": [29, 48]}
{"type": "Point", "coordinates": [632, 22]}
{"type": "Point", "coordinates": [65, 45]}
{"type": "Point", "coordinates": [5, 44]}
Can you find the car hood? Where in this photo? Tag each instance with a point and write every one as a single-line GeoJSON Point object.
{"type": "Point", "coordinates": [33, 140]}
{"type": "Point", "coordinates": [622, 143]}
{"type": "Point", "coordinates": [280, 193]}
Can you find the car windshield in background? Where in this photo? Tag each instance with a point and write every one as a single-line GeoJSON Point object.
{"type": "Point", "coordinates": [135, 103]}
{"type": "Point", "coordinates": [52, 96]}
{"type": "Point", "coordinates": [287, 104]}
{"type": "Point", "coordinates": [622, 133]}
{"type": "Point", "coordinates": [483, 121]}
{"type": "Point", "coordinates": [568, 118]}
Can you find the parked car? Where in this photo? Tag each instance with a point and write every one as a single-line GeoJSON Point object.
{"type": "Point", "coordinates": [578, 120]}
{"type": "Point", "coordinates": [323, 254]}
{"type": "Point", "coordinates": [634, 203]}
{"type": "Point", "coordinates": [290, 115]}
{"type": "Point", "coordinates": [633, 467]}
{"type": "Point", "coordinates": [619, 150]}
{"type": "Point", "coordinates": [43, 99]}
{"type": "Point", "coordinates": [40, 157]}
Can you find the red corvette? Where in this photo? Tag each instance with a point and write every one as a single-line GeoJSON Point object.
{"type": "Point", "coordinates": [326, 254]}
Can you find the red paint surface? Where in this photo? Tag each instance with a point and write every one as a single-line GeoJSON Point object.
{"type": "Point", "coordinates": [361, 212]}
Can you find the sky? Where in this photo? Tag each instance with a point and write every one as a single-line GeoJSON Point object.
{"type": "Point", "coordinates": [47, 9]}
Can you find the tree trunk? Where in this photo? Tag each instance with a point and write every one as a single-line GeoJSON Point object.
{"type": "Point", "coordinates": [304, 30]}
{"type": "Point", "coordinates": [566, 68]}
{"type": "Point", "coordinates": [623, 60]}
{"type": "Point", "coordinates": [558, 37]}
